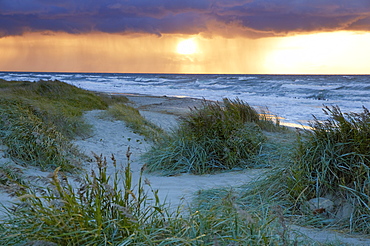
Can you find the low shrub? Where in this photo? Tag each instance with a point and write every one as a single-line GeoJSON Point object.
{"type": "Point", "coordinates": [213, 138]}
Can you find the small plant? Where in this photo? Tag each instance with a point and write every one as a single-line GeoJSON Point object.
{"type": "Point", "coordinates": [209, 139]}
{"type": "Point", "coordinates": [11, 180]}
{"type": "Point", "coordinates": [99, 211]}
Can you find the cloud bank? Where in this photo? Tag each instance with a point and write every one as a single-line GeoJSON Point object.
{"type": "Point", "coordinates": [253, 18]}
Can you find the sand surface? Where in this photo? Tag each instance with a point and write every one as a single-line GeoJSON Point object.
{"type": "Point", "coordinates": [113, 137]}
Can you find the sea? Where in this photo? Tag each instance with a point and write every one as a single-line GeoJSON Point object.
{"type": "Point", "coordinates": [293, 98]}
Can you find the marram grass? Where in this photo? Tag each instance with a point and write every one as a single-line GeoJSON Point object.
{"type": "Point", "coordinates": [99, 211]}
{"type": "Point", "coordinates": [335, 161]}
{"type": "Point", "coordinates": [330, 160]}
{"type": "Point", "coordinates": [212, 138]}
{"type": "Point", "coordinates": [38, 120]}
{"type": "Point", "coordinates": [104, 209]}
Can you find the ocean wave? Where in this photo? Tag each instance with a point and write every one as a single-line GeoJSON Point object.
{"type": "Point", "coordinates": [312, 87]}
{"type": "Point", "coordinates": [246, 78]}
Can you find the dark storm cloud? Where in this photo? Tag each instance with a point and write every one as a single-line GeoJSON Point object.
{"type": "Point", "coordinates": [252, 17]}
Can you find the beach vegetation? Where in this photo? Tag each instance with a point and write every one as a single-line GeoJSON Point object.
{"type": "Point", "coordinates": [11, 180]}
{"type": "Point", "coordinates": [104, 209]}
{"type": "Point", "coordinates": [243, 112]}
{"type": "Point", "coordinates": [331, 160]}
{"type": "Point", "coordinates": [216, 137]}
{"type": "Point", "coordinates": [97, 211]}
{"type": "Point", "coordinates": [38, 120]}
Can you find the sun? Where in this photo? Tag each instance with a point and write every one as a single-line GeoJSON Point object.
{"type": "Point", "coordinates": [187, 47]}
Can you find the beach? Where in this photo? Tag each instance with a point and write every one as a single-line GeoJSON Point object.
{"type": "Point", "coordinates": [111, 137]}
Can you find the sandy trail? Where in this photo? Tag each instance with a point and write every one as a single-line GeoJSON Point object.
{"type": "Point", "coordinates": [113, 137]}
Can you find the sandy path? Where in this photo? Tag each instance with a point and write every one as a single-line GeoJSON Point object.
{"type": "Point", "coordinates": [113, 137]}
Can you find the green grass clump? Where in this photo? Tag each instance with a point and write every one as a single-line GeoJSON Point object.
{"type": "Point", "coordinates": [107, 209]}
{"type": "Point", "coordinates": [213, 138]}
{"type": "Point", "coordinates": [243, 112]}
{"type": "Point", "coordinates": [260, 225]}
{"type": "Point", "coordinates": [67, 98]}
{"type": "Point", "coordinates": [111, 99]}
{"type": "Point", "coordinates": [99, 211]}
{"type": "Point", "coordinates": [334, 160]}
{"type": "Point", "coordinates": [135, 121]}
{"type": "Point", "coordinates": [331, 160]}
{"type": "Point", "coordinates": [31, 141]}
{"type": "Point", "coordinates": [337, 151]}
{"type": "Point", "coordinates": [38, 120]}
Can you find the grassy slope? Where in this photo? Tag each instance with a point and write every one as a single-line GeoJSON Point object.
{"type": "Point", "coordinates": [38, 120]}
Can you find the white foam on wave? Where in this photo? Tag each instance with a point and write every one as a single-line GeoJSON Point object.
{"type": "Point", "coordinates": [311, 87]}
{"type": "Point", "coordinates": [246, 78]}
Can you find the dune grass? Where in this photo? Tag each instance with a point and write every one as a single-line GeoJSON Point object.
{"type": "Point", "coordinates": [213, 138]}
{"type": "Point", "coordinates": [331, 160]}
{"type": "Point", "coordinates": [111, 210]}
{"type": "Point", "coordinates": [335, 162]}
{"type": "Point", "coordinates": [99, 211]}
{"type": "Point", "coordinates": [38, 120]}
{"type": "Point", "coordinates": [11, 180]}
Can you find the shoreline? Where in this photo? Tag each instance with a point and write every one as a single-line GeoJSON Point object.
{"type": "Point", "coordinates": [179, 106]}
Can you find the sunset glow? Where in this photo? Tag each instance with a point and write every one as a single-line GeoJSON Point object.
{"type": "Point", "coordinates": [189, 37]}
{"type": "Point", "coordinates": [325, 53]}
{"type": "Point", "coordinates": [187, 47]}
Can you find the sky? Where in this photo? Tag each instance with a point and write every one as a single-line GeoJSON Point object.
{"type": "Point", "coordinates": [186, 36]}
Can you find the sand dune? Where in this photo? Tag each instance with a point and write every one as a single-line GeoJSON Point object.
{"type": "Point", "coordinates": [113, 137]}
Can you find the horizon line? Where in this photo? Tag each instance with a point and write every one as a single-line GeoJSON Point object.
{"type": "Point", "coordinates": [163, 73]}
